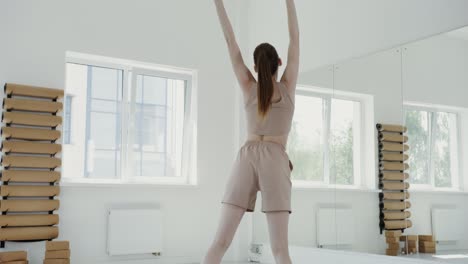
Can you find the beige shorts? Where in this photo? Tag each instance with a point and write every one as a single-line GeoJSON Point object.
{"type": "Point", "coordinates": [260, 166]}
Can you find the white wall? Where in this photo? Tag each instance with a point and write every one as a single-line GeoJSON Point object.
{"type": "Point", "coordinates": [435, 71]}
{"type": "Point", "coordinates": [35, 36]}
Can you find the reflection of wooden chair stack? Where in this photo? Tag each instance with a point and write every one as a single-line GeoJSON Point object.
{"type": "Point", "coordinates": [28, 177]}
{"type": "Point", "coordinates": [410, 244]}
{"type": "Point", "coordinates": [427, 244]}
{"type": "Point", "coordinates": [15, 257]}
{"type": "Point", "coordinates": [393, 242]}
{"type": "Point", "coordinates": [57, 252]}
{"type": "Point", "coordinates": [392, 176]}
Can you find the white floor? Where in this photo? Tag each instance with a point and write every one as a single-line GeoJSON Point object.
{"type": "Point", "coordinates": [455, 256]}
{"type": "Point", "coordinates": [451, 257]}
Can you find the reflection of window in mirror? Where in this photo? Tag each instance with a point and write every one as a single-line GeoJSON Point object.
{"type": "Point", "coordinates": [325, 138]}
{"type": "Point", "coordinates": [433, 135]}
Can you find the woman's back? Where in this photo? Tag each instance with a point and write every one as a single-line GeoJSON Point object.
{"type": "Point", "coordinates": [276, 124]}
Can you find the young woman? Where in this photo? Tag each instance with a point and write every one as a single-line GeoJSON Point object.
{"type": "Point", "coordinates": [262, 163]}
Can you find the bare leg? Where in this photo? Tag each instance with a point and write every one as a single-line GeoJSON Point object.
{"type": "Point", "coordinates": [231, 216]}
{"type": "Point", "coordinates": [278, 229]}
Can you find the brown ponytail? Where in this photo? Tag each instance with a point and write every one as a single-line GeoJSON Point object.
{"type": "Point", "coordinates": [266, 59]}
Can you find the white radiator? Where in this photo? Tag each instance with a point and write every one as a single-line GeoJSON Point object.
{"type": "Point", "coordinates": [335, 227]}
{"type": "Point", "coordinates": [446, 224]}
{"type": "Point", "coordinates": [134, 231]}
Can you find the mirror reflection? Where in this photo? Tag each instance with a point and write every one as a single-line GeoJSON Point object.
{"type": "Point", "coordinates": [395, 190]}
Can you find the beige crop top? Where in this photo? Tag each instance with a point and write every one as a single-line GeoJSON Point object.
{"type": "Point", "coordinates": [277, 121]}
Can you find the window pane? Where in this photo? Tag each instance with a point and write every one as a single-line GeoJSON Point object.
{"type": "Point", "coordinates": [417, 123]}
{"type": "Point", "coordinates": [104, 164]}
{"type": "Point", "coordinates": [341, 142]}
{"type": "Point", "coordinates": [104, 131]}
{"type": "Point", "coordinates": [104, 82]}
{"type": "Point", "coordinates": [159, 117]}
{"type": "Point", "coordinates": [151, 90]}
{"type": "Point", "coordinates": [441, 162]}
{"type": "Point", "coordinates": [108, 106]}
{"type": "Point", "coordinates": [96, 111]}
{"type": "Point", "coordinates": [67, 120]}
{"type": "Point", "coordinates": [305, 145]}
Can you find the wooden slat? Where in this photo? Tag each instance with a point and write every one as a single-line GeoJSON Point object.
{"type": "Point", "coordinates": [56, 261]}
{"type": "Point", "coordinates": [32, 105]}
{"type": "Point", "coordinates": [9, 161]}
{"type": "Point", "coordinates": [427, 243]}
{"type": "Point", "coordinates": [392, 156]}
{"type": "Point", "coordinates": [392, 245]}
{"type": "Point", "coordinates": [29, 220]}
{"type": "Point", "coordinates": [396, 215]}
{"type": "Point", "coordinates": [29, 205]}
{"type": "Point", "coordinates": [388, 146]}
{"type": "Point", "coordinates": [28, 233]}
{"type": "Point", "coordinates": [397, 224]}
{"type": "Point", "coordinates": [396, 233]}
{"type": "Point", "coordinates": [393, 166]}
{"type": "Point", "coordinates": [392, 240]}
{"type": "Point", "coordinates": [396, 205]}
{"type": "Point", "coordinates": [406, 238]}
{"type": "Point", "coordinates": [30, 119]}
{"type": "Point", "coordinates": [30, 133]}
{"type": "Point", "coordinates": [391, 128]}
{"type": "Point", "coordinates": [392, 137]}
{"type": "Point", "coordinates": [57, 254]}
{"type": "Point", "coordinates": [28, 191]}
{"type": "Point", "coordinates": [396, 195]}
{"type": "Point", "coordinates": [12, 89]}
{"type": "Point", "coordinates": [426, 238]}
{"type": "Point", "coordinates": [13, 256]}
{"type": "Point", "coordinates": [17, 262]}
{"type": "Point", "coordinates": [30, 147]}
{"type": "Point", "coordinates": [30, 176]}
{"type": "Point", "coordinates": [57, 245]}
{"type": "Point", "coordinates": [394, 186]}
{"type": "Point", "coordinates": [393, 176]}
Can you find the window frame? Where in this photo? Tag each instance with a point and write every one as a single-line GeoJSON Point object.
{"type": "Point", "coordinates": [434, 108]}
{"type": "Point", "coordinates": [130, 69]}
{"type": "Point", "coordinates": [67, 102]}
{"type": "Point", "coordinates": [360, 173]}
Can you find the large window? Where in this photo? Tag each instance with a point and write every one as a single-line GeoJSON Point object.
{"type": "Point", "coordinates": [324, 143]}
{"type": "Point", "coordinates": [130, 123]}
{"type": "Point", "coordinates": [433, 141]}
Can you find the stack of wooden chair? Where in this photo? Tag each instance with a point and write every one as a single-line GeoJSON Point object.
{"type": "Point", "coordinates": [29, 177]}
{"type": "Point", "coordinates": [410, 244]}
{"type": "Point", "coordinates": [393, 242]}
{"type": "Point", "coordinates": [14, 257]}
{"type": "Point", "coordinates": [57, 252]}
{"type": "Point", "coordinates": [427, 244]}
{"type": "Point", "coordinates": [392, 178]}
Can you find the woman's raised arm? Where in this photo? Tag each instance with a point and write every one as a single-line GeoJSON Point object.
{"type": "Point", "coordinates": [292, 68]}
{"type": "Point", "coordinates": [243, 74]}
